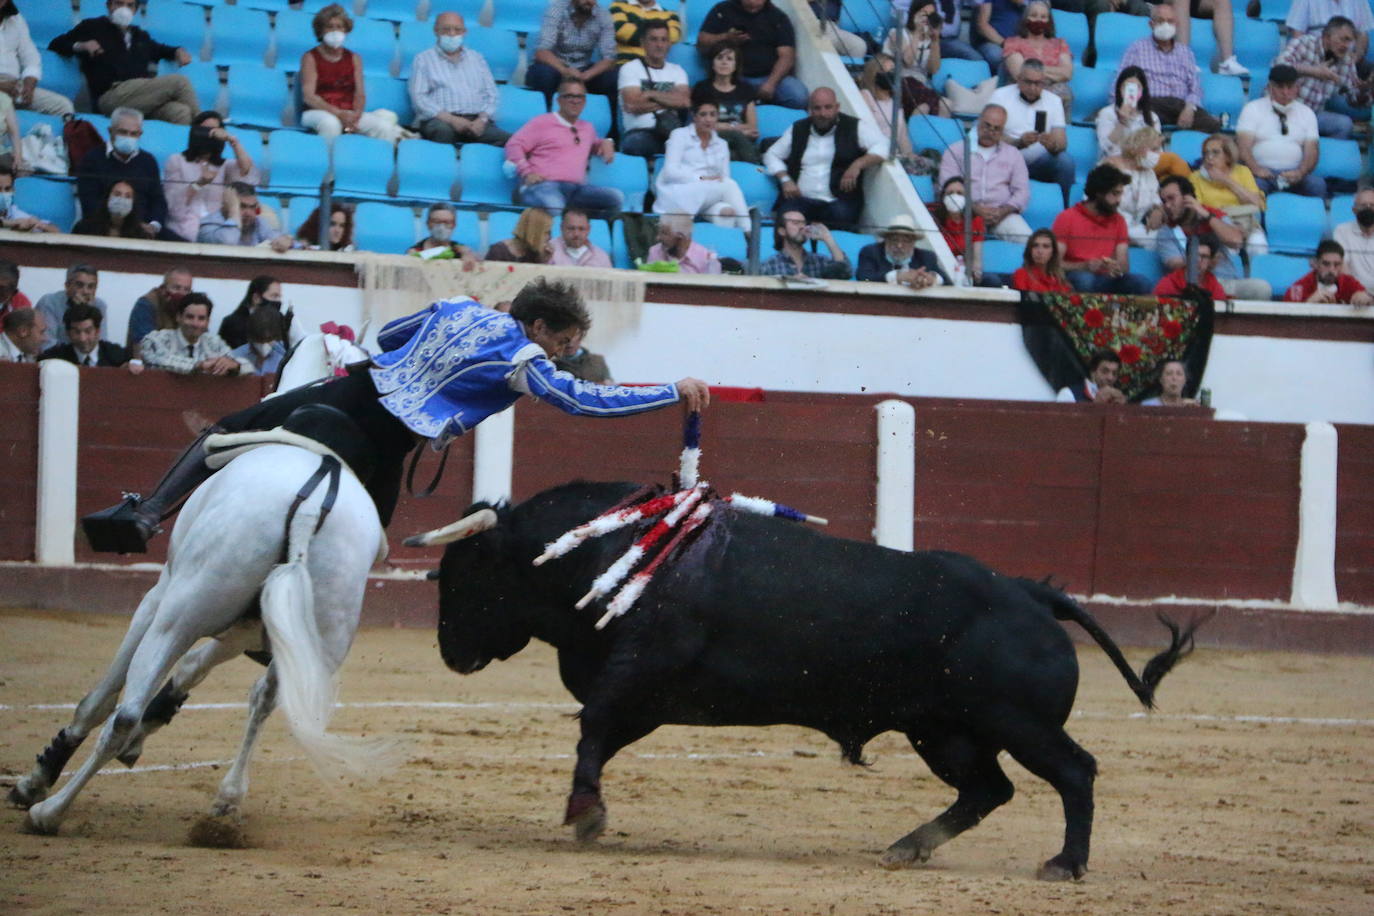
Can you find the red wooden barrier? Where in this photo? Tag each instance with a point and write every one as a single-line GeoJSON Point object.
{"type": "Point", "coordinates": [18, 460]}
{"type": "Point", "coordinates": [1355, 514]}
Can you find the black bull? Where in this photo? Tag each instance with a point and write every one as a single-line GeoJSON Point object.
{"type": "Point", "coordinates": [766, 622]}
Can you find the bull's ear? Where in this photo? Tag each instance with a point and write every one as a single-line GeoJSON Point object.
{"type": "Point", "coordinates": [465, 527]}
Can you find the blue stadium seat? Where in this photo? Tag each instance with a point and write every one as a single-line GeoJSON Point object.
{"type": "Point", "coordinates": [1115, 32]}
{"type": "Point", "coordinates": [873, 18]}
{"type": "Point", "coordinates": [925, 187]}
{"type": "Point", "coordinates": [238, 35]}
{"type": "Point", "coordinates": [482, 175]}
{"type": "Point", "coordinates": [299, 162]}
{"type": "Point", "coordinates": [178, 24]}
{"type": "Point", "coordinates": [389, 93]}
{"type": "Point", "coordinates": [620, 253]}
{"type": "Point", "coordinates": [1146, 264]}
{"type": "Point", "coordinates": [298, 210]}
{"type": "Point", "coordinates": [518, 106]}
{"type": "Point", "coordinates": [601, 235]}
{"type": "Point", "coordinates": [251, 140]}
{"type": "Point", "coordinates": [48, 199]}
{"type": "Point", "coordinates": [257, 96]}
{"type": "Point", "coordinates": [759, 188]}
{"type": "Point", "coordinates": [1204, 45]}
{"type": "Point", "coordinates": [385, 228]}
{"type": "Point", "coordinates": [1092, 88]}
{"type": "Point", "coordinates": [500, 225]}
{"type": "Point", "coordinates": [1046, 202]}
{"type": "Point", "coordinates": [1187, 144]}
{"type": "Point", "coordinates": [1280, 270]}
{"type": "Point", "coordinates": [394, 10]}
{"type": "Point", "coordinates": [686, 57]}
{"type": "Point", "coordinates": [467, 232]}
{"type": "Point", "coordinates": [1273, 10]}
{"type": "Point", "coordinates": [967, 73]}
{"type": "Point", "coordinates": [1001, 257]}
{"type": "Point", "coordinates": [1257, 42]}
{"type": "Point", "coordinates": [416, 38]}
{"type": "Point", "coordinates": [468, 9]}
{"type": "Point", "coordinates": [1338, 159]}
{"type": "Point", "coordinates": [1223, 94]}
{"type": "Point", "coordinates": [775, 120]}
{"type": "Point", "coordinates": [935, 132]}
{"type": "Point", "coordinates": [1342, 209]}
{"type": "Point", "coordinates": [697, 12]}
{"type": "Point", "coordinates": [727, 243]}
{"type": "Point", "coordinates": [625, 173]}
{"type": "Point", "coordinates": [1073, 28]}
{"type": "Point", "coordinates": [291, 38]}
{"type": "Point", "coordinates": [426, 171]}
{"type": "Point", "coordinates": [61, 74]}
{"type": "Point", "coordinates": [597, 112]}
{"type": "Point", "coordinates": [499, 46]}
{"type": "Point", "coordinates": [275, 6]}
{"type": "Point", "coordinates": [1082, 148]}
{"type": "Point", "coordinates": [28, 120]}
{"type": "Point", "coordinates": [520, 15]}
{"type": "Point", "coordinates": [162, 139]}
{"type": "Point", "coordinates": [375, 42]}
{"type": "Point", "coordinates": [47, 21]}
{"type": "Point", "coordinates": [1294, 223]}
{"type": "Point", "coordinates": [1259, 81]}
{"type": "Point", "coordinates": [362, 167]}
{"type": "Point", "coordinates": [850, 243]}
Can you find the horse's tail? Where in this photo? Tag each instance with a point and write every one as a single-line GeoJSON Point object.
{"type": "Point", "coordinates": [306, 681]}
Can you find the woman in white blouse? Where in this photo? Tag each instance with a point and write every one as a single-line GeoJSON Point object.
{"type": "Point", "coordinates": [695, 178]}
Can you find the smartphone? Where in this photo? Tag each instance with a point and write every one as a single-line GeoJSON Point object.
{"type": "Point", "coordinates": [1130, 93]}
{"type": "Point", "coordinates": [1040, 118]}
{"type": "Point", "coordinates": [812, 231]}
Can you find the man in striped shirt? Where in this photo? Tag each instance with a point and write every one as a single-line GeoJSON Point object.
{"type": "Point", "coordinates": [630, 17]}
{"type": "Point", "coordinates": [576, 39]}
{"type": "Point", "coordinates": [1326, 67]}
{"type": "Point", "coordinates": [452, 90]}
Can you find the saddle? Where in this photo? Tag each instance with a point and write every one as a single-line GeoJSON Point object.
{"type": "Point", "coordinates": [318, 428]}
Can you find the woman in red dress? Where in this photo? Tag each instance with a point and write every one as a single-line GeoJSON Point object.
{"type": "Point", "coordinates": [1040, 271]}
{"type": "Point", "coordinates": [949, 216]}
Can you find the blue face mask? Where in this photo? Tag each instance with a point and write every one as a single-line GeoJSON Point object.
{"type": "Point", "coordinates": [6, 201]}
{"type": "Point", "coordinates": [125, 146]}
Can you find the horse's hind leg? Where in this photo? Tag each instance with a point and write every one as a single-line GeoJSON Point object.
{"type": "Point", "coordinates": [220, 826]}
{"type": "Point", "coordinates": [189, 672]}
{"type": "Point", "coordinates": [93, 709]}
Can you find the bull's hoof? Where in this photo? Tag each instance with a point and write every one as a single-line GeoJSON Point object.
{"type": "Point", "coordinates": [587, 816]}
{"type": "Point", "coordinates": [25, 795]}
{"type": "Point", "coordinates": [903, 855]}
{"type": "Point", "coordinates": [1061, 868]}
{"type": "Point", "coordinates": [211, 832]}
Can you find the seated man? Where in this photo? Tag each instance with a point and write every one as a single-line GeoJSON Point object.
{"type": "Point", "coordinates": [630, 17]}
{"type": "Point", "coordinates": [1208, 247]}
{"type": "Point", "coordinates": [790, 235]}
{"type": "Point", "coordinates": [896, 259]}
{"type": "Point", "coordinates": [1309, 17]}
{"type": "Point", "coordinates": [1328, 283]}
{"type": "Point", "coordinates": [1326, 65]}
{"type": "Point", "coordinates": [263, 353]}
{"type": "Point", "coordinates": [441, 219]}
{"type": "Point", "coordinates": [79, 289]}
{"type": "Point", "coordinates": [573, 247]}
{"type": "Point", "coordinates": [819, 163]}
{"type": "Point", "coordinates": [21, 67]}
{"type": "Point", "coordinates": [675, 244]}
{"type": "Point", "coordinates": [21, 335]}
{"type": "Point", "coordinates": [156, 309]}
{"type": "Point", "coordinates": [241, 221]}
{"type": "Point", "coordinates": [452, 89]}
{"type": "Point", "coordinates": [576, 41]}
{"type": "Point", "coordinates": [10, 296]}
{"type": "Point", "coordinates": [11, 217]}
{"type": "Point", "coordinates": [190, 347]}
{"type": "Point", "coordinates": [1036, 126]}
{"type": "Point", "coordinates": [84, 347]}
{"type": "Point", "coordinates": [1356, 236]}
{"type": "Point", "coordinates": [1000, 183]}
{"type": "Point", "coordinates": [1172, 72]}
{"type": "Point", "coordinates": [1093, 238]}
{"type": "Point", "coordinates": [654, 96]}
{"type": "Point", "coordinates": [579, 362]}
{"type": "Point", "coordinates": [1186, 217]}
{"type": "Point", "coordinates": [1277, 136]}
{"type": "Point", "coordinates": [124, 161]}
{"type": "Point", "coordinates": [767, 48]}
{"type": "Point", "coordinates": [116, 58]}
{"type": "Point", "coordinates": [1100, 385]}
{"type": "Point", "coordinates": [551, 153]}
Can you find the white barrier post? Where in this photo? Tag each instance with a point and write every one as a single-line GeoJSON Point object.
{"type": "Point", "coordinates": [59, 393]}
{"type": "Point", "coordinates": [895, 518]}
{"type": "Point", "coordinates": [1314, 567]}
{"type": "Point", "coordinates": [493, 457]}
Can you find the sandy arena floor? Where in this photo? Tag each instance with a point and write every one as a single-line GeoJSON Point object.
{"type": "Point", "coordinates": [1250, 791]}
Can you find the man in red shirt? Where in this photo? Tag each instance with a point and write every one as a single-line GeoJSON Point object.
{"type": "Point", "coordinates": [1094, 240]}
{"type": "Point", "coordinates": [10, 296]}
{"type": "Point", "coordinates": [1328, 282]}
{"type": "Point", "coordinates": [1176, 283]}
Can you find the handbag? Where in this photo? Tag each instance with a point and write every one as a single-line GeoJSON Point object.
{"type": "Point", "coordinates": [1245, 217]}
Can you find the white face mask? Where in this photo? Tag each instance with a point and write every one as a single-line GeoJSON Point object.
{"type": "Point", "coordinates": [1165, 31]}
{"type": "Point", "coordinates": [441, 233]}
{"type": "Point", "coordinates": [450, 43]}
{"type": "Point", "coordinates": [122, 17]}
{"type": "Point", "coordinates": [1151, 159]}
{"type": "Point", "coordinates": [575, 253]}
{"type": "Point", "coordinates": [334, 39]}
{"type": "Point", "coordinates": [263, 349]}
{"type": "Point", "coordinates": [954, 203]}
{"type": "Point", "coordinates": [1285, 108]}
{"type": "Point", "coordinates": [121, 206]}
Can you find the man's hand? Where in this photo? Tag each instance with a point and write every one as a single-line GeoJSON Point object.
{"type": "Point", "coordinates": [218, 365]}
{"type": "Point", "coordinates": [1362, 298]}
{"type": "Point", "coordinates": [1106, 394]}
{"type": "Point", "coordinates": [1029, 138]}
{"type": "Point", "coordinates": [458, 123]}
{"type": "Point", "coordinates": [183, 57]}
{"type": "Point", "coordinates": [737, 35]}
{"type": "Point", "coordinates": [920, 278]}
{"type": "Point", "coordinates": [850, 179]}
{"type": "Point", "coordinates": [280, 244]}
{"type": "Point", "coordinates": [1326, 73]}
{"type": "Point", "coordinates": [134, 366]}
{"type": "Point", "coordinates": [1293, 176]}
{"type": "Point", "coordinates": [148, 230]}
{"type": "Point", "coordinates": [607, 151]}
{"type": "Point", "coordinates": [1200, 211]}
{"type": "Point", "coordinates": [789, 188]}
{"type": "Point", "coordinates": [766, 90]}
{"type": "Point", "coordinates": [695, 394]}
{"type": "Point", "coordinates": [1322, 296]}
{"type": "Point", "coordinates": [1185, 117]}
{"type": "Point", "coordinates": [532, 178]}
{"type": "Point", "coordinates": [89, 48]}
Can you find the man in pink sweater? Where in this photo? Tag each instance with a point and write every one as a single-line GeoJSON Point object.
{"type": "Point", "coordinates": [551, 153]}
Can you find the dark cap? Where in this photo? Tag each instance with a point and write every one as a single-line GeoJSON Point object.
{"type": "Point", "coordinates": [1283, 75]}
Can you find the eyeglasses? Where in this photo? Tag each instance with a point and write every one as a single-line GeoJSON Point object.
{"type": "Point", "coordinates": [1030, 82]}
{"type": "Point", "coordinates": [572, 95]}
{"type": "Point", "coordinates": [577, 138]}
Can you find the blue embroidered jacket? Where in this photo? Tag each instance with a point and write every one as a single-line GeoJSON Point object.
{"type": "Point", "coordinates": [449, 367]}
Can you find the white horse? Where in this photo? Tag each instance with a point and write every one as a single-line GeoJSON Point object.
{"type": "Point", "coordinates": [244, 539]}
{"type": "Point", "coordinates": [317, 357]}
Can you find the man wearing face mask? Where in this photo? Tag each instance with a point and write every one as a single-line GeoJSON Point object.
{"type": "Point", "coordinates": [156, 310]}
{"type": "Point", "coordinates": [452, 89]}
{"type": "Point", "coordinates": [675, 245]}
{"type": "Point", "coordinates": [573, 247]}
{"type": "Point", "coordinates": [11, 217]}
{"type": "Point", "coordinates": [1326, 66]}
{"type": "Point", "coordinates": [116, 57]}
{"type": "Point", "coordinates": [1172, 72]}
{"type": "Point", "coordinates": [441, 220]}
{"type": "Point", "coordinates": [263, 353]}
{"type": "Point", "coordinates": [79, 289]}
{"type": "Point", "coordinates": [1357, 238]}
{"type": "Point", "coordinates": [124, 161]}
{"type": "Point", "coordinates": [1328, 283]}
{"type": "Point", "coordinates": [1277, 136]}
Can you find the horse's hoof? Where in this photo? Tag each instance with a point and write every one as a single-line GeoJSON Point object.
{"type": "Point", "coordinates": [899, 855]}
{"type": "Point", "coordinates": [34, 822]}
{"type": "Point", "coordinates": [129, 758]}
{"type": "Point", "coordinates": [21, 795]}
{"type": "Point", "coordinates": [1058, 869]}
{"type": "Point", "coordinates": [222, 832]}
{"type": "Point", "coordinates": [587, 816]}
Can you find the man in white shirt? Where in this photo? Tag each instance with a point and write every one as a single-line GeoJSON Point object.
{"type": "Point", "coordinates": [1357, 238]}
{"type": "Point", "coordinates": [21, 67]}
{"type": "Point", "coordinates": [819, 162]}
{"type": "Point", "coordinates": [654, 95]}
{"type": "Point", "coordinates": [573, 247]}
{"type": "Point", "coordinates": [190, 347]}
{"type": "Point", "coordinates": [21, 335]}
{"type": "Point", "coordinates": [1277, 135]}
{"type": "Point", "coordinates": [1036, 125]}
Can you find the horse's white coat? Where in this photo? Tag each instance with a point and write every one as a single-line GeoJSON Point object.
{"type": "Point", "coordinates": [317, 358]}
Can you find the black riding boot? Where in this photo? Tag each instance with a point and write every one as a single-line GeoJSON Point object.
{"type": "Point", "coordinates": [127, 527]}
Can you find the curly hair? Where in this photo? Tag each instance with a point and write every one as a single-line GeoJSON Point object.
{"type": "Point", "coordinates": [557, 303]}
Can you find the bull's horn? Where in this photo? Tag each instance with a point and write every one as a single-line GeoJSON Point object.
{"type": "Point", "coordinates": [465, 527]}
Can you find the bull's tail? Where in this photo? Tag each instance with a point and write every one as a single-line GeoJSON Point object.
{"type": "Point", "coordinates": [1143, 685]}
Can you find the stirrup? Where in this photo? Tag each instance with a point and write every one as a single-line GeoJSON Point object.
{"type": "Point", "coordinates": [119, 529]}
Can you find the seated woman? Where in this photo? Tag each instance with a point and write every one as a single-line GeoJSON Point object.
{"type": "Point", "coordinates": [1130, 111]}
{"type": "Point", "coordinates": [194, 179]}
{"type": "Point", "coordinates": [529, 241]}
{"type": "Point", "coordinates": [331, 83]}
{"type": "Point", "coordinates": [876, 88]}
{"type": "Point", "coordinates": [949, 216]}
{"type": "Point", "coordinates": [993, 23]}
{"type": "Point", "coordinates": [738, 123]}
{"type": "Point", "coordinates": [1173, 378]}
{"type": "Point", "coordinates": [115, 218]}
{"type": "Point", "coordinates": [1140, 204]}
{"type": "Point", "coordinates": [920, 56]}
{"type": "Point", "coordinates": [340, 236]}
{"type": "Point", "coordinates": [264, 292]}
{"type": "Point", "coordinates": [1040, 270]}
{"type": "Point", "coordinates": [1224, 183]}
{"type": "Point", "coordinates": [1035, 40]}
{"type": "Point", "coordinates": [695, 178]}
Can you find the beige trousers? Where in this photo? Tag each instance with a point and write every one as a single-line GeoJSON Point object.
{"type": "Point", "coordinates": [163, 98]}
